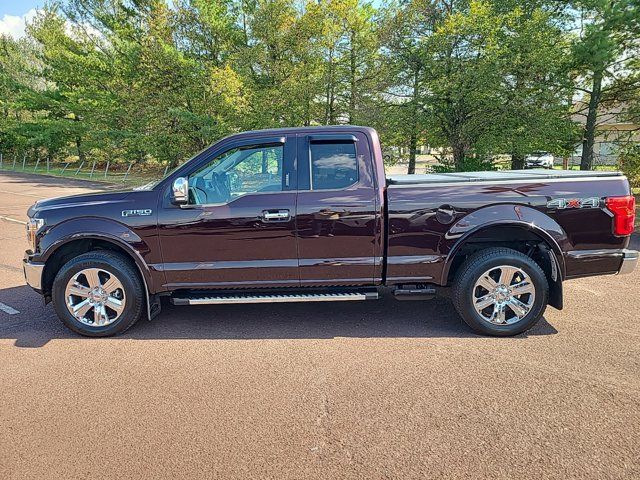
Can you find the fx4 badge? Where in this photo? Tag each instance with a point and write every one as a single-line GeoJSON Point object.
{"type": "Point", "coordinates": [591, 202]}
{"type": "Point", "coordinates": [137, 213]}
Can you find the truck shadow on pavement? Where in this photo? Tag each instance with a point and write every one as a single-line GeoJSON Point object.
{"type": "Point", "coordinates": [37, 324]}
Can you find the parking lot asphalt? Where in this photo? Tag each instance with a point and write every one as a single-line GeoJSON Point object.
{"type": "Point", "coordinates": [366, 390]}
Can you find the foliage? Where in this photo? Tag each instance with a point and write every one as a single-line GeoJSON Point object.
{"type": "Point", "coordinates": [153, 81]}
{"type": "Point", "coordinates": [629, 163]}
{"type": "Point", "coordinates": [476, 163]}
{"type": "Point", "coordinates": [605, 54]}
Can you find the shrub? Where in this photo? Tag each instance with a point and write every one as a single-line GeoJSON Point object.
{"type": "Point", "coordinates": [629, 163]}
{"type": "Point", "coordinates": [471, 163]}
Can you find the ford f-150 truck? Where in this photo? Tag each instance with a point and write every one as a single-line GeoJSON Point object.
{"type": "Point", "coordinates": [307, 214]}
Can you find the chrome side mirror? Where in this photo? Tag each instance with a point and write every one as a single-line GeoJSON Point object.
{"type": "Point", "coordinates": [180, 191]}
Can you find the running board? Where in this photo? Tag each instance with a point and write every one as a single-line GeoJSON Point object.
{"type": "Point", "coordinates": [275, 298]}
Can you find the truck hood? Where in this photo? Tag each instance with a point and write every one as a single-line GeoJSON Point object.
{"type": "Point", "coordinates": [82, 200]}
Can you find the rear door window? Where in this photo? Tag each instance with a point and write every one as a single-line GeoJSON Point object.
{"type": "Point", "coordinates": [333, 165]}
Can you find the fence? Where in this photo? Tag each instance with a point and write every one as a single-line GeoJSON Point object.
{"type": "Point", "coordinates": [129, 174]}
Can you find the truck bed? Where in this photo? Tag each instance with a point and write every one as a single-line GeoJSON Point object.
{"type": "Point", "coordinates": [495, 176]}
{"type": "Point", "coordinates": [429, 214]}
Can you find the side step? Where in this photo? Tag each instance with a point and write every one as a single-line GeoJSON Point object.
{"type": "Point", "coordinates": [219, 299]}
{"type": "Point", "coordinates": [415, 292]}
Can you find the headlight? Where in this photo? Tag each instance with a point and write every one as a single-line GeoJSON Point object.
{"type": "Point", "coordinates": [33, 225]}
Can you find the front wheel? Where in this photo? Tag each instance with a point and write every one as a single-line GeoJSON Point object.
{"type": "Point", "coordinates": [500, 292]}
{"type": "Point", "coordinates": [98, 294]}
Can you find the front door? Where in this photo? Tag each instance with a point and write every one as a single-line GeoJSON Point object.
{"type": "Point", "coordinates": [238, 229]}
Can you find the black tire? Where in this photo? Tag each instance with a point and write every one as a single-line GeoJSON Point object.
{"type": "Point", "coordinates": [112, 263]}
{"type": "Point", "coordinates": [471, 271]}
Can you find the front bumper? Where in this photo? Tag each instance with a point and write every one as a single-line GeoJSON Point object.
{"type": "Point", "coordinates": [629, 262]}
{"type": "Point", "coordinates": [33, 273]}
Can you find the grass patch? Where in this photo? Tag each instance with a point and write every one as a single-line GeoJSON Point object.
{"type": "Point", "coordinates": [117, 175]}
{"type": "Point", "coordinates": [599, 168]}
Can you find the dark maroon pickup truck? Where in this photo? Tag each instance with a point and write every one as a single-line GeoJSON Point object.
{"type": "Point", "coordinates": [307, 214]}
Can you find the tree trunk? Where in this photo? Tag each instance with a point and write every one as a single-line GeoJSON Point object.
{"type": "Point", "coordinates": [81, 154]}
{"type": "Point", "coordinates": [517, 161]}
{"type": "Point", "coordinates": [588, 141]}
{"type": "Point", "coordinates": [459, 152]}
{"type": "Point", "coordinates": [413, 136]}
{"type": "Point", "coordinates": [307, 112]}
{"type": "Point", "coordinates": [352, 79]}
{"type": "Point", "coordinates": [329, 110]}
{"type": "Point", "coordinates": [413, 147]}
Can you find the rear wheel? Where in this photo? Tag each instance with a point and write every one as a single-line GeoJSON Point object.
{"type": "Point", "coordinates": [98, 294]}
{"type": "Point", "coordinates": [500, 291]}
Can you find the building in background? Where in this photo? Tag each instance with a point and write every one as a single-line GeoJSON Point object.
{"type": "Point", "coordinates": [615, 129]}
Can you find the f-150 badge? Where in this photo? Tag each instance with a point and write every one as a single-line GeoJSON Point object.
{"type": "Point", "coordinates": [560, 203]}
{"type": "Point", "coordinates": [137, 213]}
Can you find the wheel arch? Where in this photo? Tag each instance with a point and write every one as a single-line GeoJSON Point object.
{"type": "Point", "coordinates": [522, 236]}
{"type": "Point", "coordinates": [65, 249]}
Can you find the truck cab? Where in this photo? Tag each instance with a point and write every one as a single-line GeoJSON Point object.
{"type": "Point", "coordinates": [275, 210]}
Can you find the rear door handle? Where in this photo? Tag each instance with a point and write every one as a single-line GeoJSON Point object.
{"type": "Point", "coordinates": [275, 215]}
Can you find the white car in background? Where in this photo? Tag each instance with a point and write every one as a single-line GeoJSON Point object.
{"type": "Point", "coordinates": [538, 160]}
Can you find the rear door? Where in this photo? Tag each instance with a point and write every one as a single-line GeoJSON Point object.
{"type": "Point", "coordinates": [337, 217]}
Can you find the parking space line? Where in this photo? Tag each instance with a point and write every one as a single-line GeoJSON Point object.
{"type": "Point", "coordinates": [7, 309]}
{"type": "Point", "coordinates": [14, 220]}
{"type": "Point", "coordinates": [21, 194]}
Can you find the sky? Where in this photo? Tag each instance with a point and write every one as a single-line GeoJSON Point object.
{"type": "Point", "coordinates": [14, 13]}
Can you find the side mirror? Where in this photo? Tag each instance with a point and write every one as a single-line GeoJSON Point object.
{"type": "Point", "coordinates": [180, 191]}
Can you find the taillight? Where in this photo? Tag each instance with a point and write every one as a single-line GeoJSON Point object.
{"type": "Point", "coordinates": [624, 214]}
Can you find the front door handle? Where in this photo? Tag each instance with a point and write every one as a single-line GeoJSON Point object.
{"type": "Point", "coordinates": [275, 215]}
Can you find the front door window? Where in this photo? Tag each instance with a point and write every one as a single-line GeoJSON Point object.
{"type": "Point", "coordinates": [236, 173]}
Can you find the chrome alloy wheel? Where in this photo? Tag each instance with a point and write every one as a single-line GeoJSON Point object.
{"type": "Point", "coordinates": [95, 297]}
{"type": "Point", "coordinates": [504, 295]}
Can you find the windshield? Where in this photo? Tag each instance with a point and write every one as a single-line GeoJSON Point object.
{"type": "Point", "coordinates": [153, 183]}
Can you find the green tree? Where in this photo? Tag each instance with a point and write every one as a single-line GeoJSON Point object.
{"type": "Point", "coordinates": [403, 87]}
{"type": "Point", "coordinates": [152, 81]}
{"type": "Point", "coordinates": [604, 50]}
{"type": "Point", "coordinates": [351, 59]}
{"type": "Point", "coordinates": [17, 83]}
{"type": "Point", "coordinates": [478, 78]}
{"type": "Point", "coordinates": [536, 92]}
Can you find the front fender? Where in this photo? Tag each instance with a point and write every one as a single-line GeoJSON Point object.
{"type": "Point", "coordinates": [97, 228]}
{"type": "Point", "coordinates": [522, 216]}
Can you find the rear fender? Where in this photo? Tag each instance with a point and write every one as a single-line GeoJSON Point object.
{"type": "Point", "coordinates": [512, 215]}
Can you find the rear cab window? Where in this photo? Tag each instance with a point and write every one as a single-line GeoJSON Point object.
{"type": "Point", "coordinates": [334, 165]}
{"type": "Point", "coordinates": [328, 162]}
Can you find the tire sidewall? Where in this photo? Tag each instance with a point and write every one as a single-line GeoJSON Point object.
{"type": "Point", "coordinates": [540, 284]}
{"type": "Point", "coordinates": [132, 291]}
